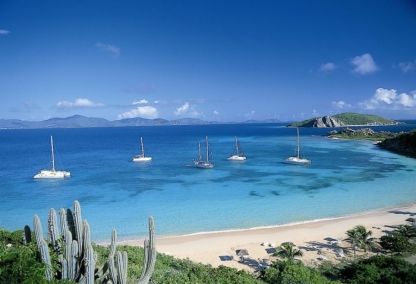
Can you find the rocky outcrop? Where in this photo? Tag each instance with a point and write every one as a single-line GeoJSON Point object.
{"type": "Point", "coordinates": [345, 119]}
{"type": "Point", "coordinates": [326, 121]}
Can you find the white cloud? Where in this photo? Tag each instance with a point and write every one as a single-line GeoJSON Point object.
{"type": "Point", "coordinates": [340, 104]}
{"type": "Point", "coordinates": [183, 109]}
{"type": "Point", "coordinates": [328, 67]}
{"type": "Point", "coordinates": [112, 49]}
{"type": "Point", "coordinates": [364, 64]}
{"type": "Point", "coordinates": [156, 102]}
{"type": "Point", "coordinates": [215, 112]}
{"type": "Point", "coordinates": [141, 111]}
{"type": "Point", "coordinates": [407, 66]}
{"type": "Point", "coordinates": [78, 103]}
{"type": "Point", "coordinates": [389, 99]}
{"type": "Point", "coordinates": [4, 32]}
{"type": "Point", "coordinates": [140, 102]}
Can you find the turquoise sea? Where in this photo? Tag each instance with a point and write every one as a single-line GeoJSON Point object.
{"type": "Point", "coordinates": [345, 177]}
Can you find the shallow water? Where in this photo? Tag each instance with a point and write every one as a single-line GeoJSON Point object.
{"type": "Point", "coordinates": [345, 177]}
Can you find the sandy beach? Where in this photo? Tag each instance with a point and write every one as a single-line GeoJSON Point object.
{"type": "Point", "coordinates": [319, 239]}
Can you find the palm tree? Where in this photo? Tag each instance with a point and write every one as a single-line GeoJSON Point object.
{"type": "Point", "coordinates": [288, 251]}
{"type": "Point", "coordinates": [359, 237]}
{"type": "Point", "coordinates": [353, 239]}
{"type": "Point", "coordinates": [366, 241]}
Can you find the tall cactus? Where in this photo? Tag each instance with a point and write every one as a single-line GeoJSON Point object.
{"type": "Point", "coordinates": [89, 265]}
{"type": "Point", "coordinates": [71, 241]}
{"type": "Point", "coordinates": [78, 225]}
{"type": "Point", "coordinates": [53, 227]}
{"type": "Point", "coordinates": [149, 255]}
{"type": "Point", "coordinates": [42, 247]}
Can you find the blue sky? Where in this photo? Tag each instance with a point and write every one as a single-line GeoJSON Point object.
{"type": "Point", "coordinates": [215, 60]}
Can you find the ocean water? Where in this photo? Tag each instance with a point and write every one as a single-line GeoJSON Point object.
{"type": "Point", "coordinates": [345, 177]}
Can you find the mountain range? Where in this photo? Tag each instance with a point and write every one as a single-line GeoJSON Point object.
{"type": "Point", "coordinates": [79, 121]}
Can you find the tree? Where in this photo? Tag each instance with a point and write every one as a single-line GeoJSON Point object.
{"type": "Point", "coordinates": [288, 251]}
{"type": "Point", "coordinates": [353, 239]}
{"type": "Point", "coordinates": [399, 240]}
{"type": "Point", "coordinates": [359, 237]}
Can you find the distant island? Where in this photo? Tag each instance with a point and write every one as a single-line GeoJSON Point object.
{"type": "Point", "coordinates": [344, 119]}
{"type": "Point", "coordinates": [80, 121]}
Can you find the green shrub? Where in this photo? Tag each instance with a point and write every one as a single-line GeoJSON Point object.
{"type": "Point", "coordinates": [379, 269]}
{"type": "Point", "coordinates": [286, 272]}
{"type": "Point", "coordinates": [18, 262]}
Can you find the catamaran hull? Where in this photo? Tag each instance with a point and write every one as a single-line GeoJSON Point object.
{"type": "Point", "coordinates": [142, 159]}
{"type": "Point", "coordinates": [204, 165]}
{"type": "Point", "coordinates": [237, 158]}
{"type": "Point", "coordinates": [297, 161]}
{"type": "Point", "coordinates": [47, 174]}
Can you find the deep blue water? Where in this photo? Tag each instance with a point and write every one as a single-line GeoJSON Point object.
{"type": "Point", "coordinates": [345, 177]}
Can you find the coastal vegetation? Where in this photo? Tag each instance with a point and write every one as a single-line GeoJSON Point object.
{"type": "Point", "coordinates": [404, 144]}
{"type": "Point", "coordinates": [361, 134]}
{"type": "Point", "coordinates": [26, 257]}
{"type": "Point", "coordinates": [344, 119]}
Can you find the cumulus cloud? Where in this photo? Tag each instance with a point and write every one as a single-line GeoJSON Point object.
{"type": "Point", "coordinates": [340, 104]}
{"type": "Point", "coordinates": [183, 109]}
{"type": "Point", "coordinates": [328, 67]}
{"type": "Point", "coordinates": [140, 102]}
{"type": "Point", "coordinates": [215, 112]}
{"type": "Point", "coordinates": [187, 109]}
{"type": "Point", "coordinates": [140, 111]}
{"type": "Point", "coordinates": [4, 32]}
{"type": "Point", "coordinates": [112, 49]}
{"type": "Point", "coordinates": [78, 103]}
{"type": "Point", "coordinates": [364, 64]}
{"type": "Point", "coordinates": [389, 99]}
{"type": "Point", "coordinates": [407, 66]}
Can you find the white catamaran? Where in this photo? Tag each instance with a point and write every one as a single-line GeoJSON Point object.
{"type": "Point", "coordinates": [238, 155]}
{"type": "Point", "coordinates": [297, 160]}
{"type": "Point", "coordinates": [141, 157]}
{"type": "Point", "coordinates": [200, 163]}
{"type": "Point", "coordinates": [53, 173]}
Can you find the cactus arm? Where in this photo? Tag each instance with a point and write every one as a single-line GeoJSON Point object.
{"type": "Point", "coordinates": [74, 259]}
{"type": "Point", "coordinates": [63, 222]}
{"type": "Point", "coordinates": [53, 228]}
{"type": "Point", "coordinates": [89, 265]}
{"type": "Point", "coordinates": [150, 253]}
{"type": "Point", "coordinates": [78, 226]}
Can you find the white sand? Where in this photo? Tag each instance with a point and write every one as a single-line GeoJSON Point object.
{"type": "Point", "coordinates": [207, 247]}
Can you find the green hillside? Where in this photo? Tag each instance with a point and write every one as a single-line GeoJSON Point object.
{"type": "Point", "coordinates": [351, 118]}
{"type": "Point", "coordinates": [343, 119]}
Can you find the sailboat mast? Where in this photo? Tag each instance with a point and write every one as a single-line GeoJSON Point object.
{"type": "Point", "coordinates": [52, 155]}
{"type": "Point", "coordinates": [206, 140]}
{"type": "Point", "coordinates": [236, 146]}
{"type": "Point", "coordinates": [298, 142]}
{"type": "Point", "coordinates": [199, 151]}
{"type": "Point", "coordinates": [141, 142]}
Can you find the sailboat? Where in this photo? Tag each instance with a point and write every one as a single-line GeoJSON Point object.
{"type": "Point", "coordinates": [141, 157]}
{"type": "Point", "coordinates": [200, 163]}
{"type": "Point", "coordinates": [53, 173]}
{"type": "Point", "coordinates": [297, 160]}
{"type": "Point", "coordinates": [237, 156]}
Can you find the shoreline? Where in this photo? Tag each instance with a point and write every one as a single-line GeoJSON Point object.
{"type": "Point", "coordinates": [208, 247]}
